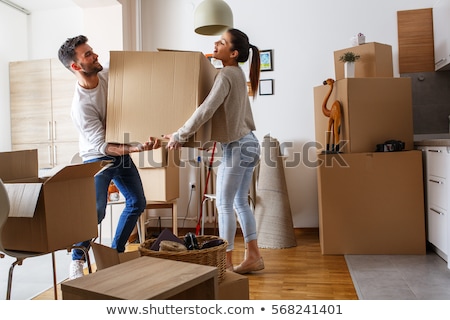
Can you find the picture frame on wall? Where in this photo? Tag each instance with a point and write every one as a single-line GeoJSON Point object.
{"type": "Point", "coordinates": [266, 57]}
{"type": "Point", "coordinates": [266, 87]}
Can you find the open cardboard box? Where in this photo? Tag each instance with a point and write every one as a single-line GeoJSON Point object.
{"type": "Point", "coordinates": [47, 213]}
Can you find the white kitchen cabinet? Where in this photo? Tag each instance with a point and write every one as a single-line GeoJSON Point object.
{"type": "Point", "coordinates": [441, 30]}
{"type": "Point", "coordinates": [41, 94]}
{"type": "Point", "coordinates": [437, 178]}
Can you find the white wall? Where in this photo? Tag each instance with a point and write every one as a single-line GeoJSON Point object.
{"type": "Point", "coordinates": [303, 35]}
{"type": "Point", "coordinates": [14, 47]}
{"type": "Point", "coordinates": [39, 35]}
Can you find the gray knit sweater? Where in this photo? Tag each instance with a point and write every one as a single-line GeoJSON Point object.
{"type": "Point", "coordinates": [228, 107]}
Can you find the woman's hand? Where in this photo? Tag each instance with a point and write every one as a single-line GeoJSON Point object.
{"type": "Point", "coordinates": [172, 144]}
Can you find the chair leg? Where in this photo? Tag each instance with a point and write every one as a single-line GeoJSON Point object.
{"type": "Point", "coordinates": [55, 280]}
{"type": "Point", "coordinates": [10, 277]}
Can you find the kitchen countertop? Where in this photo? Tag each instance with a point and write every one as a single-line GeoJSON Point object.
{"type": "Point", "coordinates": [436, 139]}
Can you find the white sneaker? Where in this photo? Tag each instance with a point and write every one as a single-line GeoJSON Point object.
{"type": "Point", "coordinates": [76, 269]}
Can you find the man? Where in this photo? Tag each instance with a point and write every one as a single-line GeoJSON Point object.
{"type": "Point", "coordinates": [89, 116]}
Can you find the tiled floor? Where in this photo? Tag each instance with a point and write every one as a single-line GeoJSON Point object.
{"type": "Point", "coordinates": [400, 277]}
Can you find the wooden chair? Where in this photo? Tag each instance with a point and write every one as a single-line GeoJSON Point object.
{"type": "Point", "coordinates": [171, 204]}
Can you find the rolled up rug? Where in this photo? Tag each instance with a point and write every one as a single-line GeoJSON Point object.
{"type": "Point", "coordinates": [272, 210]}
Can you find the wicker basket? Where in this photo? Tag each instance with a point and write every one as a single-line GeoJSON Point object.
{"type": "Point", "coordinates": [214, 256]}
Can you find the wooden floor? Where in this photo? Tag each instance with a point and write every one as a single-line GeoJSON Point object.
{"type": "Point", "coordinates": [298, 273]}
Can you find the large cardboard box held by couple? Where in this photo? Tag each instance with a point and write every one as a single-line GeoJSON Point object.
{"type": "Point", "coordinates": [151, 94]}
{"type": "Point", "coordinates": [233, 287]}
{"type": "Point", "coordinates": [374, 110]}
{"type": "Point", "coordinates": [154, 93]}
{"type": "Point", "coordinates": [47, 213]}
{"type": "Point", "coordinates": [371, 203]}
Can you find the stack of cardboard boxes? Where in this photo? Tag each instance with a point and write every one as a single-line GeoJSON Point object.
{"type": "Point", "coordinates": [370, 202]}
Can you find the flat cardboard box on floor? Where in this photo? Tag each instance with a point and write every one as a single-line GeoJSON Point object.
{"type": "Point", "coordinates": [154, 93]}
{"type": "Point", "coordinates": [375, 61]}
{"type": "Point", "coordinates": [371, 203]}
{"type": "Point", "coordinates": [47, 213]}
{"type": "Point", "coordinates": [374, 110]}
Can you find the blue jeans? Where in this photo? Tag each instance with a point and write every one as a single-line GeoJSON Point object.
{"type": "Point", "coordinates": [234, 177]}
{"type": "Point", "coordinates": [127, 179]}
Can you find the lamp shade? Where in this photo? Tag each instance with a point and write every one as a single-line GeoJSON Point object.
{"type": "Point", "coordinates": [212, 17]}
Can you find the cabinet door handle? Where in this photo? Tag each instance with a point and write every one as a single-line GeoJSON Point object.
{"type": "Point", "coordinates": [54, 156]}
{"type": "Point", "coordinates": [49, 134]}
{"type": "Point", "coordinates": [439, 61]}
{"type": "Point", "coordinates": [50, 157]}
{"type": "Point", "coordinates": [434, 150]}
{"type": "Point", "coordinates": [436, 181]}
{"type": "Point", "coordinates": [438, 212]}
{"type": "Point", "coordinates": [54, 130]}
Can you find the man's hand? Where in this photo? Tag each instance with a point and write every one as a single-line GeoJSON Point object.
{"type": "Point", "coordinates": [152, 143]}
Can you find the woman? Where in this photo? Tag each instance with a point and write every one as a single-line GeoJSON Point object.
{"type": "Point", "coordinates": [228, 106]}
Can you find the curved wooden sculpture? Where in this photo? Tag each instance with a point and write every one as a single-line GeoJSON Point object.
{"type": "Point", "coordinates": [334, 123]}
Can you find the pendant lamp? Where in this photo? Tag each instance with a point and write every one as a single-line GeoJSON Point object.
{"type": "Point", "coordinates": [212, 17]}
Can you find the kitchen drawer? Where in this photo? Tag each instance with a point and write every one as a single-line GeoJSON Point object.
{"type": "Point", "coordinates": [437, 191]}
{"type": "Point", "coordinates": [438, 160]}
{"type": "Point", "coordinates": [437, 228]}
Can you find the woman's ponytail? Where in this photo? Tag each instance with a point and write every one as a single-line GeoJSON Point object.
{"type": "Point", "coordinates": [255, 70]}
{"type": "Point", "coordinates": [242, 45]}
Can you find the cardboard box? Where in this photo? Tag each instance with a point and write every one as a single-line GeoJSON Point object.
{"type": "Point", "coordinates": [154, 93]}
{"type": "Point", "coordinates": [157, 158]}
{"type": "Point", "coordinates": [234, 287]}
{"type": "Point", "coordinates": [161, 184]}
{"type": "Point", "coordinates": [374, 110]}
{"type": "Point", "coordinates": [47, 213]}
{"type": "Point", "coordinates": [160, 173]}
{"type": "Point", "coordinates": [371, 203]}
{"type": "Point", "coordinates": [375, 61]}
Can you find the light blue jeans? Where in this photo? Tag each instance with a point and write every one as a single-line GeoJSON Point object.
{"type": "Point", "coordinates": [126, 177]}
{"type": "Point", "coordinates": [234, 177]}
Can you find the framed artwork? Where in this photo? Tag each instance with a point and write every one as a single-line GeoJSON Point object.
{"type": "Point", "coordinates": [266, 87]}
{"type": "Point", "coordinates": [266, 60]}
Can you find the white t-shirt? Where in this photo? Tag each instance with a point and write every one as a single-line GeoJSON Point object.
{"type": "Point", "coordinates": [89, 116]}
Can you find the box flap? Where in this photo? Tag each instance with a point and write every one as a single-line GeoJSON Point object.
{"type": "Point", "coordinates": [16, 165]}
{"type": "Point", "coordinates": [23, 198]}
{"type": "Point", "coordinates": [73, 171]}
{"type": "Point", "coordinates": [106, 257]}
